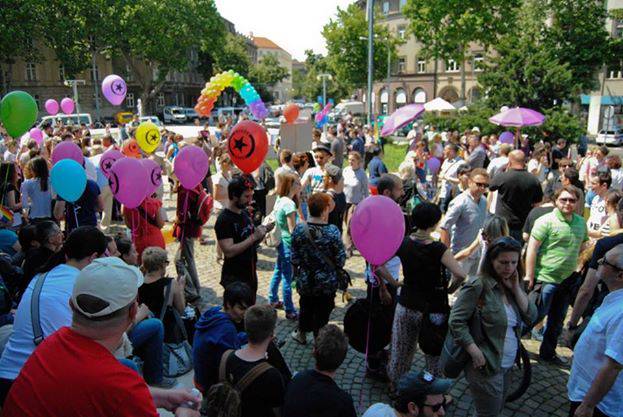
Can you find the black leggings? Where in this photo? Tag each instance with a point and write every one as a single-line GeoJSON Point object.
{"type": "Point", "coordinates": [5, 386]}
{"type": "Point", "coordinates": [575, 405]}
{"type": "Point", "coordinates": [315, 312]}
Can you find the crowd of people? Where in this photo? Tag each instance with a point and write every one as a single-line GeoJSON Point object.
{"type": "Point", "coordinates": [92, 323]}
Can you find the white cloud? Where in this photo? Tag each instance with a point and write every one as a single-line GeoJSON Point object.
{"type": "Point", "coordinates": [294, 25]}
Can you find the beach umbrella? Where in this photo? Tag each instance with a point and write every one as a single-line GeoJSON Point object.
{"type": "Point", "coordinates": [401, 117]}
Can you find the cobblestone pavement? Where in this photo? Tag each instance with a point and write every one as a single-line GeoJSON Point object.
{"type": "Point", "coordinates": [546, 395]}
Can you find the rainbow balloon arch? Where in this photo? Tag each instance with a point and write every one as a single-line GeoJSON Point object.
{"type": "Point", "coordinates": [243, 87]}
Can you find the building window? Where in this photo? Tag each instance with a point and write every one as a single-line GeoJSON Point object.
{"type": "Point", "coordinates": [31, 71]}
{"type": "Point", "coordinates": [421, 66]}
{"type": "Point", "coordinates": [402, 32]}
{"type": "Point", "coordinates": [129, 100]}
{"type": "Point", "coordinates": [402, 65]}
{"type": "Point", "coordinates": [615, 74]}
{"type": "Point", "coordinates": [618, 29]}
{"type": "Point", "coordinates": [419, 96]}
{"type": "Point", "coordinates": [479, 62]}
{"type": "Point", "coordinates": [452, 66]}
{"type": "Point", "coordinates": [161, 100]}
{"type": "Point", "coordinates": [403, 3]}
{"type": "Point", "coordinates": [61, 72]}
{"type": "Point", "coordinates": [385, 7]}
{"type": "Point", "coordinates": [95, 73]}
{"type": "Point", "coordinates": [401, 97]}
{"type": "Point", "coordinates": [384, 101]}
{"type": "Point", "coordinates": [129, 76]}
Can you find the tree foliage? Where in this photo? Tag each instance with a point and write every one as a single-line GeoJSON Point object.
{"type": "Point", "coordinates": [310, 87]}
{"type": "Point", "coordinates": [233, 56]}
{"type": "Point", "coordinates": [346, 36]}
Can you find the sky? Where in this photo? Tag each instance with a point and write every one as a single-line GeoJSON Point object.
{"type": "Point", "coordinates": [294, 25]}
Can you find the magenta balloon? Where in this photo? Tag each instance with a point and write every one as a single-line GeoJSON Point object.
{"type": "Point", "coordinates": [377, 228]}
{"type": "Point", "coordinates": [67, 150]}
{"type": "Point", "coordinates": [36, 134]}
{"type": "Point", "coordinates": [128, 181]}
{"type": "Point", "coordinates": [190, 166]}
{"type": "Point", "coordinates": [433, 165]}
{"type": "Point", "coordinates": [51, 106]}
{"type": "Point", "coordinates": [507, 137]}
{"type": "Point", "coordinates": [154, 175]}
{"type": "Point", "coordinates": [114, 89]}
{"type": "Point", "coordinates": [67, 105]}
{"type": "Point", "coordinates": [108, 159]}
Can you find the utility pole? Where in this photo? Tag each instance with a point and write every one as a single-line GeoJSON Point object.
{"type": "Point", "coordinates": [95, 78]}
{"type": "Point", "coordinates": [389, 74]}
{"type": "Point", "coordinates": [370, 13]}
{"type": "Point", "coordinates": [74, 85]}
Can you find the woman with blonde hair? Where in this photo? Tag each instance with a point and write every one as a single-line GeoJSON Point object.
{"type": "Point", "coordinates": [285, 212]}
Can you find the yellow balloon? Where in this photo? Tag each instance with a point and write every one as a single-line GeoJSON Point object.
{"type": "Point", "coordinates": [148, 137]}
{"type": "Point", "coordinates": [227, 78]}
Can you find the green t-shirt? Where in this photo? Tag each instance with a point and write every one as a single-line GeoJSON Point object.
{"type": "Point", "coordinates": [284, 206]}
{"type": "Point", "coordinates": [561, 240]}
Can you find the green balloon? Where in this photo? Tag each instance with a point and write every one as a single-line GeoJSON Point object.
{"type": "Point", "coordinates": [18, 112]}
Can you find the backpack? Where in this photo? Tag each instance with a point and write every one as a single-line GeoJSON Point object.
{"type": "Point", "coordinates": [225, 398]}
{"type": "Point", "coordinates": [272, 238]}
{"type": "Point", "coordinates": [205, 202]}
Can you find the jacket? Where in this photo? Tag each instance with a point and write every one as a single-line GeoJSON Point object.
{"type": "Point", "coordinates": [215, 333]}
{"type": "Point", "coordinates": [486, 292]}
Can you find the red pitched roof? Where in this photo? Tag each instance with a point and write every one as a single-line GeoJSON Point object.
{"type": "Point", "coordinates": [265, 43]}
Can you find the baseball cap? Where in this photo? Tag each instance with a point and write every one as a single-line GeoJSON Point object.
{"type": "Point", "coordinates": [113, 283]}
{"type": "Point", "coordinates": [322, 147]}
{"type": "Point", "coordinates": [421, 384]}
{"type": "Point", "coordinates": [476, 129]}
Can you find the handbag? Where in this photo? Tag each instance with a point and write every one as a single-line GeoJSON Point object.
{"type": "Point", "coordinates": [272, 238]}
{"type": "Point", "coordinates": [343, 277]}
{"type": "Point", "coordinates": [177, 357]}
{"type": "Point", "coordinates": [454, 357]}
{"type": "Point", "coordinates": [368, 325]}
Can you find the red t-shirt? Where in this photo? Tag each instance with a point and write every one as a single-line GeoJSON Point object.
{"type": "Point", "coordinates": [71, 375]}
{"type": "Point", "coordinates": [187, 201]}
{"type": "Point", "coordinates": [140, 222]}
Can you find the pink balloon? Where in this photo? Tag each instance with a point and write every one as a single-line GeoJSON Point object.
{"type": "Point", "coordinates": [36, 134]}
{"type": "Point", "coordinates": [154, 174]}
{"type": "Point", "coordinates": [433, 164]}
{"type": "Point", "coordinates": [128, 181]}
{"type": "Point", "coordinates": [108, 159]}
{"type": "Point", "coordinates": [51, 106]}
{"type": "Point", "coordinates": [67, 105]}
{"type": "Point", "coordinates": [67, 150]}
{"type": "Point", "coordinates": [377, 228]}
{"type": "Point", "coordinates": [114, 89]}
{"type": "Point", "coordinates": [507, 137]}
{"type": "Point", "coordinates": [190, 166]}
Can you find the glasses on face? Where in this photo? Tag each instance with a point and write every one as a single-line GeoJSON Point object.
{"type": "Point", "coordinates": [569, 200]}
{"type": "Point", "coordinates": [604, 261]}
{"type": "Point", "coordinates": [481, 184]}
{"type": "Point", "coordinates": [438, 406]}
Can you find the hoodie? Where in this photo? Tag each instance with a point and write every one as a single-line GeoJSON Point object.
{"type": "Point", "coordinates": [215, 333]}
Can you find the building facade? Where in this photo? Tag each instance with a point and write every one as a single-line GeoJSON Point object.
{"type": "Point", "coordinates": [282, 91]}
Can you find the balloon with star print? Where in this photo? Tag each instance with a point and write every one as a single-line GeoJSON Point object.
{"type": "Point", "coordinates": [114, 89]}
{"type": "Point", "coordinates": [247, 146]}
{"type": "Point", "coordinates": [148, 137]}
{"type": "Point", "coordinates": [108, 159]}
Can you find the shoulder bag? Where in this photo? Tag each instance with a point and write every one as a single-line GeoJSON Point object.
{"type": "Point", "coordinates": [35, 318]}
{"type": "Point", "coordinates": [343, 278]}
{"type": "Point", "coordinates": [177, 358]}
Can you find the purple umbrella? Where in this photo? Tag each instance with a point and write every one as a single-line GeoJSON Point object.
{"type": "Point", "coordinates": [518, 117]}
{"type": "Point", "coordinates": [401, 117]}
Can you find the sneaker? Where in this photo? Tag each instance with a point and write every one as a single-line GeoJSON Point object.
{"type": "Point", "coordinates": [277, 305]}
{"type": "Point", "coordinates": [555, 360]}
{"type": "Point", "coordinates": [165, 383]}
{"type": "Point", "coordinates": [292, 316]}
{"type": "Point", "coordinates": [299, 337]}
{"type": "Point", "coordinates": [537, 334]}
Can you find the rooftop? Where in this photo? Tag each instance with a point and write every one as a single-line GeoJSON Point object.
{"type": "Point", "coordinates": [265, 43]}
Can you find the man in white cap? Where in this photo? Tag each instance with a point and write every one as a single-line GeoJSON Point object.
{"type": "Point", "coordinates": [73, 372]}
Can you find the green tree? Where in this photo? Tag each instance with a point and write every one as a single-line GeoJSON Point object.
{"type": "Point", "coordinates": [446, 28]}
{"type": "Point", "coordinates": [347, 47]}
{"type": "Point", "coordinates": [233, 56]}
{"type": "Point", "coordinates": [266, 74]}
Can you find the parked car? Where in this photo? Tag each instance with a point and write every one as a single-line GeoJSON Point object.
{"type": "Point", "coordinates": [154, 119]}
{"type": "Point", "coordinates": [173, 115]}
{"type": "Point", "coordinates": [67, 119]}
{"type": "Point", "coordinates": [123, 117]}
{"type": "Point", "coordinates": [610, 137]}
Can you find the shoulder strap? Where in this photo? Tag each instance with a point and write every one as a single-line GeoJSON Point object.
{"type": "Point", "coordinates": [252, 375]}
{"type": "Point", "coordinates": [222, 368]}
{"type": "Point", "coordinates": [167, 294]}
{"type": "Point", "coordinates": [37, 331]}
{"type": "Point", "coordinates": [148, 218]}
{"type": "Point", "coordinates": [316, 248]}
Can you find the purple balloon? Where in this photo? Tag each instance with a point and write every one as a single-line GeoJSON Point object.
{"type": "Point", "coordinates": [154, 174]}
{"type": "Point", "coordinates": [190, 166]}
{"type": "Point", "coordinates": [433, 165]}
{"type": "Point", "coordinates": [377, 228]}
{"type": "Point", "coordinates": [128, 181]}
{"type": "Point", "coordinates": [114, 89]}
{"type": "Point", "coordinates": [67, 150]}
{"type": "Point", "coordinates": [36, 134]}
{"type": "Point", "coordinates": [108, 159]}
{"type": "Point", "coordinates": [67, 105]}
{"type": "Point", "coordinates": [51, 106]}
{"type": "Point", "coordinates": [507, 137]}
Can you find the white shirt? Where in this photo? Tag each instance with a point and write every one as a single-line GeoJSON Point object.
{"type": "Point", "coordinates": [9, 157]}
{"type": "Point", "coordinates": [534, 165]}
{"type": "Point", "coordinates": [617, 179]}
{"type": "Point", "coordinates": [497, 165]}
{"type": "Point", "coordinates": [379, 410]}
{"type": "Point", "coordinates": [89, 167]}
{"type": "Point", "coordinates": [54, 313]}
{"type": "Point", "coordinates": [316, 177]}
{"type": "Point", "coordinates": [598, 213]}
{"type": "Point", "coordinates": [509, 352]}
{"type": "Point", "coordinates": [449, 169]}
{"type": "Point", "coordinates": [222, 181]}
{"type": "Point", "coordinates": [603, 337]}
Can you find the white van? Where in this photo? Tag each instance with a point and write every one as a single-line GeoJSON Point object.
{"type": "Point", "coordinates": [354, 107]}
{"type": "Point", "coordinates": [67, 119]}
{"type": "Point", "coordinates": [173, 114]}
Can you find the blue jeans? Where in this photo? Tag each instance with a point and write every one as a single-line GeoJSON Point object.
{"type": "Point", "coordinates": [555, 299]}
{"type": "Point", "coordinates": [283, 273]}
{"type": "Point", "coordinates": [147, 337]}
{"type": "Point", "coordinates": [304, 209]}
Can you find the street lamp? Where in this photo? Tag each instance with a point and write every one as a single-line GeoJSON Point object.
{"type": "Point", "coordinates": [74, 85]}
{"type": "Point", "coordinates": [389, 63]}
{"type": "Point", "coordinates": [324, 77]}
{"type": "Point", "coordinates": [370, 13]}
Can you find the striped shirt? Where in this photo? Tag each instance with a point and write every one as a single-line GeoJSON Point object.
{"type": "Point", "coordinates": [560, 245]}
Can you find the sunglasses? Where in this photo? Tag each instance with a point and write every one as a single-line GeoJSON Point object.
{"type": "Point", "coordinates": [482, 184]}
{"type": "Point", "coordinates": [568, 200]}
{"type": "Point", "coordinates": [436, 407]}
{"type": "Point", "coordinates": [507, 241]}
{"type": "Point", "coordinates": [603, 261]}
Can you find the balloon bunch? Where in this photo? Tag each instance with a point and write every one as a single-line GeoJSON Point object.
{"type": "Point", "coordinates": [322, 117]}
{"type": "Point", "coordinates": [219, 82]}
{"type": "Point", "coordinates": [52, 107]}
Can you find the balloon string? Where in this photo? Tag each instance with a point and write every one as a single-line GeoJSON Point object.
{"type": "Point", "coordinates": [373, 270]}
{"type": "Point", "coordinates": [184, 214]}
{"type": "Point", "coordinates": [75, 216]}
